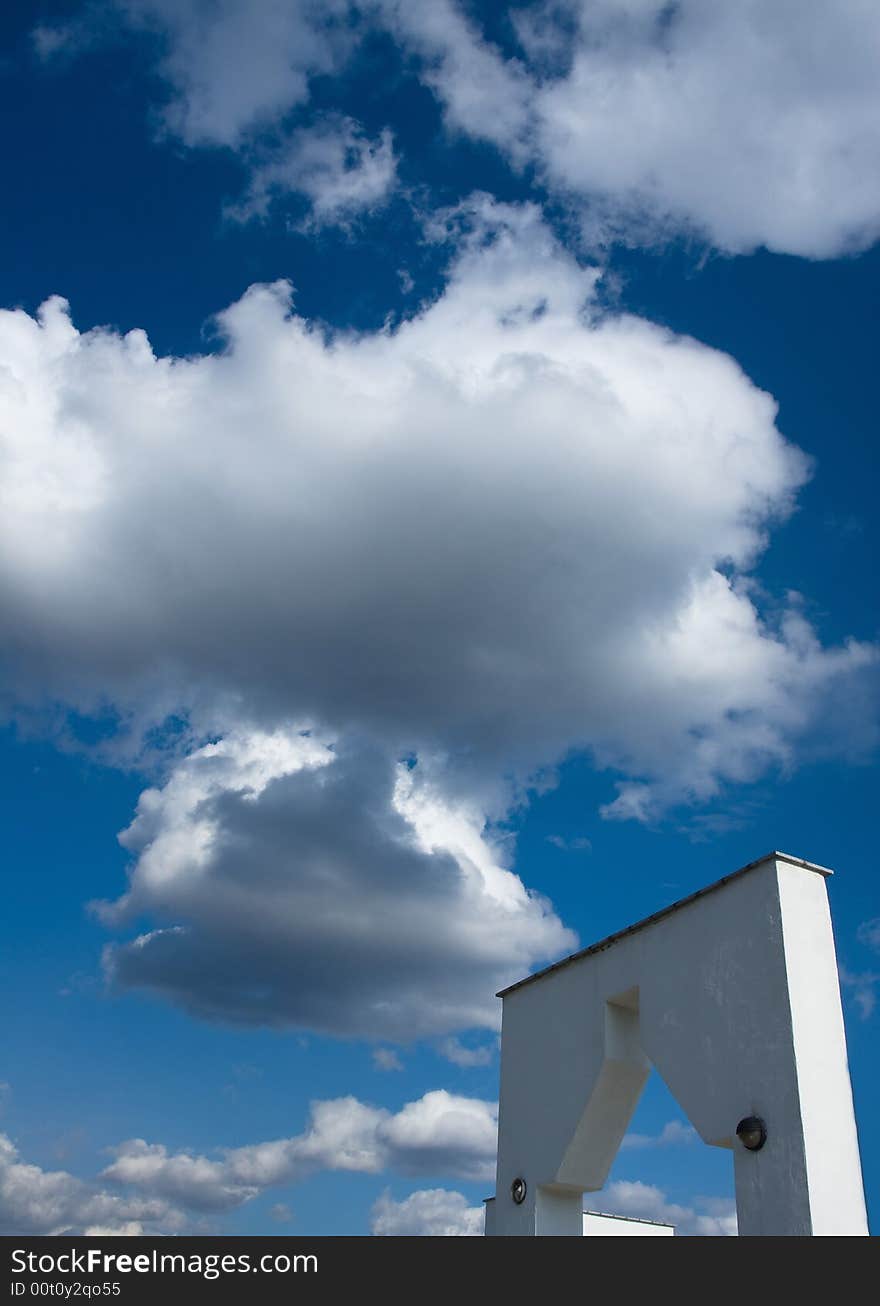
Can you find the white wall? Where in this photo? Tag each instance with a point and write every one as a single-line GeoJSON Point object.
{"type": "Point", "coordinates": [733, 996]}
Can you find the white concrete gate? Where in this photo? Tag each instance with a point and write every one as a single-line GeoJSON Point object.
{"type": "Point", "coordinates": [733, 995]}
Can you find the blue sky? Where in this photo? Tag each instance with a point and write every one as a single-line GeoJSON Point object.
{"type": "Point", "coordinates": [496, 568]}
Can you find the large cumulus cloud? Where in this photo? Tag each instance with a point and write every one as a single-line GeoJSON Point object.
{"type": "Point", "coordinates": [513, 526]}
{"type": "Point", "coordinates": [330, 890]}
{"type": "Point", "coordinates": [451, 552]}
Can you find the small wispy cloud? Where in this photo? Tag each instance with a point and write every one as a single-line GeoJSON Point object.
{"type": "Point", "coordinates": [673, 1134]}
{"type": "Point", "coordinates": [869, 933]}
{"type": "Point", "coordinates": [333, 165]}
{"type": "Point", "coordinates": [460, 1055]}
{"type": "Point", "coordinates": [386, 1059]}
{"type": "Point", "coordinates": [703, 827]}
{"type": "Point", "coordinates": [862, 987]}
{"type": "Point", "coordinates": [578, 845]}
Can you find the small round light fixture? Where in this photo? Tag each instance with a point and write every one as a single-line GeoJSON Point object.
{"type": "Point", "coordinates": [752, 1133]}
{"type": "Point", "coordinates": [518, 1191]}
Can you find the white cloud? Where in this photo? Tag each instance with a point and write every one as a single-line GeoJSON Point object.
{"type": "Point", "coordinates": [444, 1133]}
{"type": "Point", "coordinates": [429, 1213]}
{"type": "Point", "coordinates": [481, 92]}
{"type": "Point", "coordinates": [231, 68]}
{"type": "Point", "coordinates": [438, 1212]}
{"type": "Point", "coordinates": [514, 526]}
{"type": "Point", "coordinates": [863, 987]}
{"type": "Point", "coordinates": [233, 71]}
{"type": "Point", "coordinates": [439, 1133]}
{"type": "Point", "coordinates": [325, 889]}
{"type": "Point", "coordinates": [750, 124]}
{"type": "Point", "coordinates": [37, 1202]}
{"type": "Point", "coordinates": [576, 845]}
{"type": "Point", "coordinates": [191, 1181]}
{"type": "Point", "coordinates": [129, 1229]}
{"type": "Point", "coordinates": [386, 1059]}
{"type": "Point", "coordinates": [709, 1217]}
{"type": "Point", "coordinates": [53, 40]}
{"type": "Point", "coordinates": [340, 171]}
{"type": "Point", "coordinates": [673, 1134]}
{"type": "Point", "coordinates": [234, 66]}
{"type": "Point", "coordinates": [869, 933]}
{"type": "Point", "coordinates": [460, 1055]}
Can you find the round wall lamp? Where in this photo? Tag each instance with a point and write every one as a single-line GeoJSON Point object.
{"type": "Point", "coordinates": [752, 1133]}
{"type": "Point", "coordinates": [518, 1191]}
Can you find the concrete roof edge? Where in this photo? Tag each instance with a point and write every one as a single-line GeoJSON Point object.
{"type": "Point", "coordinates": [630, 1219]}
{"type": "Point", "coordinates": [607, 942]}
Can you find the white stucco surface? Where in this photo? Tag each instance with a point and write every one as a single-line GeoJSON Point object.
{"type": "Point", "coordinates": [733, 996]}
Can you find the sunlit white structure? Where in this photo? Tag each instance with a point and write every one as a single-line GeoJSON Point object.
{"type": "Point", "coordinates": [733, 995]}
{"type": "Point", "coordinates": [599, 1225]}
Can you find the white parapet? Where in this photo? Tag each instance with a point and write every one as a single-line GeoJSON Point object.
{"type": "Point", "coordinates": [599, 1225]}
{"type": "Point", "coordinates": [733, 995]}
